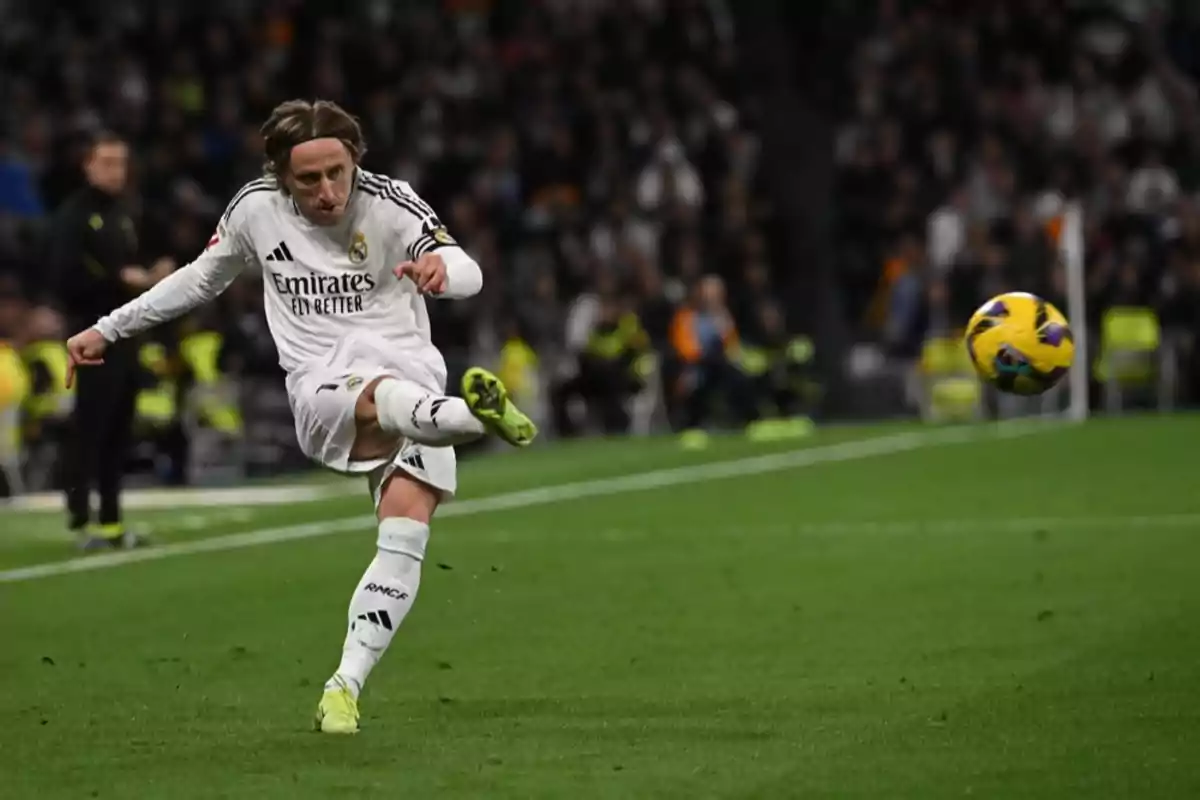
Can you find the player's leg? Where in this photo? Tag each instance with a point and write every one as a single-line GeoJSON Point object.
{"type": "Point", "coordinates": [389, 407]}
{"type": "Point", "coordinates": [487, 398]}
{"type": "Point", "coordinates": [384, 595]}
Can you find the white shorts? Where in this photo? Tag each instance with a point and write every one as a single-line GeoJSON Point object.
{"type": "Point", "coordinates": [323, 396]}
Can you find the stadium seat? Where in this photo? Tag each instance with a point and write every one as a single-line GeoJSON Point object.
{"type": "Point", "coordinates": [648, 405]}
{"type": "Point", "coordinates": [948, 388]}
{"type": "Point", "coordinates": [210, 415]}
{"type": "Point", "coordinates": [1131, 362]}
{"type": "Point", "coordinates": [520, 367]}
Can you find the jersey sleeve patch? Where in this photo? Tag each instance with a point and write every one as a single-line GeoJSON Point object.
{"type": "Point", "coordinates": [433, 236]}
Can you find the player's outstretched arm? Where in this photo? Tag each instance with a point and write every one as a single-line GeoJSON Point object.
{"type": "Point", "coordinates": [173, 296]}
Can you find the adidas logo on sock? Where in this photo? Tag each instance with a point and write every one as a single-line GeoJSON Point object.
{"type": "Point", "coordinates": [379, 618]}
{"type": "Point", "coordinates": [281, 253]}
{"type": "Point", "coordinates": [433, 410]}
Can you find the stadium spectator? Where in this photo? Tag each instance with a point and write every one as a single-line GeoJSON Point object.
{"type": "Point", "coordinates": [779, 367]}
{"type": "Point", "coordinates": [705, 340]}
{"type": "Point", "coordinates": [14, 387]}
{"type": "Point", "coordinates": [610, 369]}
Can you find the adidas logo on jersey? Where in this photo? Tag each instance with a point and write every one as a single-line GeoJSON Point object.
{"type": "Point", "coordinates": [281, 253]}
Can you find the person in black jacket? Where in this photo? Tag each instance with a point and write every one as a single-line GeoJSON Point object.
{"type": "Point", "coordinates": [93, 254]}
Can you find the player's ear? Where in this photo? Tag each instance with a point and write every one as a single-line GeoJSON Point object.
{"type": "Point", "coordinates": [356, 151]}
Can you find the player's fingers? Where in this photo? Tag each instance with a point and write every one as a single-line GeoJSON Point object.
{"type": "Point", "coordinates": [404, 270]}
{"type": "Point", "coordinates": [433, 271]}
{"type": "Point", "coordinates": [426, 279]}
{"type": "Point", "coordinates": [419, 275]}
{"type": "Point", "coordinates": [70, 371]}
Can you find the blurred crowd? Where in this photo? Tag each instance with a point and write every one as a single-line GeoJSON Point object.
{"type": "Point", "coordinates": [599, 159]}
{"type": "Point", "coordinates": [592, 156]}
{"type": "Point", "coordinates": [965, 129]}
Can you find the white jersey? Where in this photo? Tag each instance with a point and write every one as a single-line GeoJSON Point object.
{"type": "Point", "coordinates": [321, 283]}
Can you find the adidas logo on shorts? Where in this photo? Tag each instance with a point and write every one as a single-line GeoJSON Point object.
{"type": "Point", "coordinates": [414, 460]}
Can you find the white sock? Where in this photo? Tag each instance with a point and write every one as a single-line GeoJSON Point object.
{"type": "Point", "coordinates": [405, 408]}
{"type": "Point", "coordinates": [382, 600]}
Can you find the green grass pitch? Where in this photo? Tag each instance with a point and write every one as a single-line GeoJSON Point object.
{"type": "Point", "coordinates": [1000, 617]}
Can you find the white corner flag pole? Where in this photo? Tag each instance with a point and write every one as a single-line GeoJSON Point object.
{"type": "Point", "coordinates": [1071, 246]}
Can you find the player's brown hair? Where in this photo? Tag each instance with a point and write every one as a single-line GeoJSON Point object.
{"type": "Point", "coordinates": [297, 121]}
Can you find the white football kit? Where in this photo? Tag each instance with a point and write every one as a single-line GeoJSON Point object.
{"type": "Point", "coordinates": [337, 313]}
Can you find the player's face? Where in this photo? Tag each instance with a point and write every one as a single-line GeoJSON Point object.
{"type": "Point", "coordinates": [107, 167]}
{"type": "Point", "coordinates": [319, 177]}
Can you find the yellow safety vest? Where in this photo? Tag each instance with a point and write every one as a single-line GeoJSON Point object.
{"type": "Point", "coordinates": [1129, 341]}
{"type": "Point", "coordinates": [201, 351]}
{"type": "Point", "coordinates": [14, 386]}
{"type": "Point", "coordinates": [800, 350]}
{"type": "Point", "coordinates": [55, 399]}
{"type": "Point", "coordinates": [156, 404]}
{"type": "Point", "coordinates": [606, 345]}
{"type": "Point", "coordinates": [627, 335]}
{"type": "Point", "coordinates": [518, 365]}
{"type": "Point", "coordinates": [756, 361]}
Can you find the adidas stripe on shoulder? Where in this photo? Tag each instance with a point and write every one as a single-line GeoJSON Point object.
{"type": "Point", "coordinates": [396, 192]}
{"type": "Point", "coordinates": [251, 188]}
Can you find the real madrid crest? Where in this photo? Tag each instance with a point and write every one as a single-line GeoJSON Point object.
{"type": "Point", "coordinates": [358, 248]}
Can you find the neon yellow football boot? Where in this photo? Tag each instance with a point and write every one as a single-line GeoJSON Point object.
{"type": "Point", "coordinates": [489, 402]}
{"type": "Point", "coordinates": [337, 712]}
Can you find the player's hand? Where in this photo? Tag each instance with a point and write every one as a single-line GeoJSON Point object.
{"type": "Point", "coordinates": [84, 350]}
{"type": "Point", "coordinates": [428, 272]}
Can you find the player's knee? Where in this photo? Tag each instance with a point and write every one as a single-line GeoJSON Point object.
{"type": "Point", "coordinates": [365, 411]}
{"type": "Point", "coordinates": [405, 497]}
{"type": "Point", "coordinates": [404, 536]}
{"type": "Point", "coordinates": [371, 441]}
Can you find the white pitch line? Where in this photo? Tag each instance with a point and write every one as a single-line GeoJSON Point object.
{"type": "Point", "coordinates": [1014, 525]}
{"type": "Point", "coordinates": [145, 499]}
{"type": "Point", "coordinates": [655, 479]}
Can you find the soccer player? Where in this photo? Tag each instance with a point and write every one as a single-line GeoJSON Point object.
{"type": "Point", "coordinates": [348, 258]}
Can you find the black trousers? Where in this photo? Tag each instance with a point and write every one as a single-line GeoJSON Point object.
{"type": "Point", "coordinates": [717, 377]}
{"type": "Point", "coordinates": [777, 392]}
{"type": "Point", "coordinates": [102, 427]}
{"type": "Point", "coordinates": [604, 386]}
